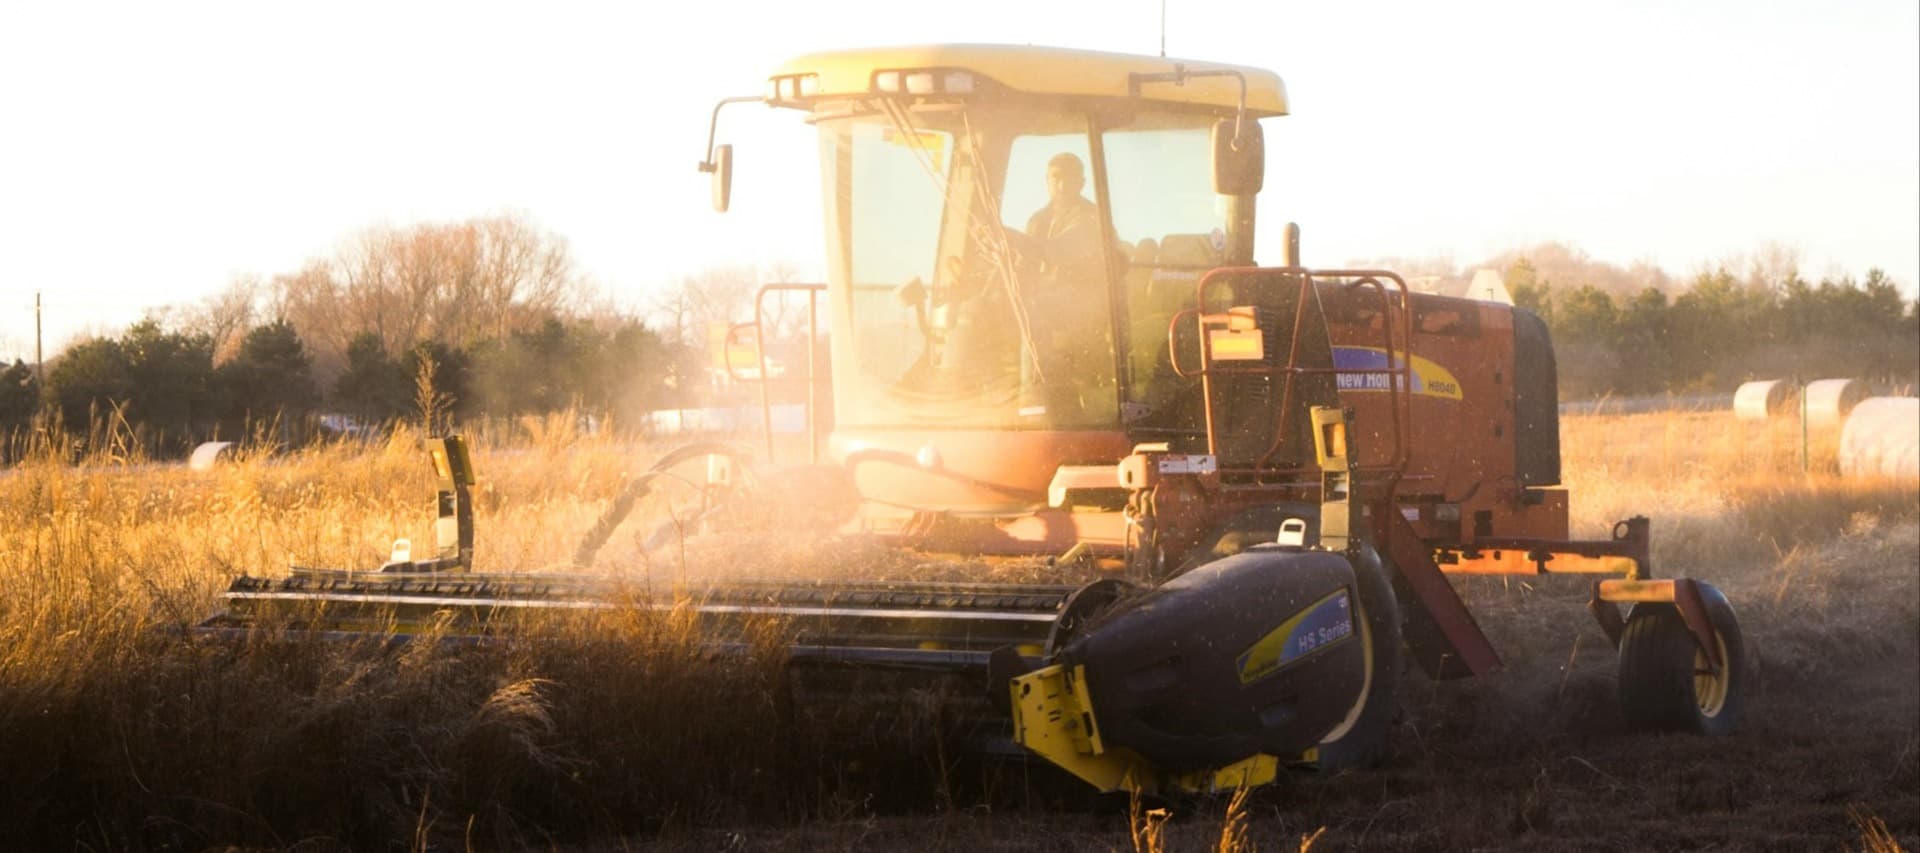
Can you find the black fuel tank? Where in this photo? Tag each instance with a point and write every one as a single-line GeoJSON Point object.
{"type": "Point", "coordinates": [1253, 653]}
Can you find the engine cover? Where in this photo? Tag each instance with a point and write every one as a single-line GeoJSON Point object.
{"type": "Point", "coordinates": [1254, 653]}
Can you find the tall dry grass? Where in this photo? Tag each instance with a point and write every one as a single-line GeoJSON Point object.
{"type": "Point", "coordinates": [1824, 573]}
{"type": "Point", "coordinates": [1719, 489]}
{"type": "Point", "coordinates": [117, 731]}
{"type": "Point", "coordinates": [1829, 560]}
{"type": "Point", "coordinates": [120, 731]}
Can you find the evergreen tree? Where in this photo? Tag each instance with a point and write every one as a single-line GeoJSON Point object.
{"type": "Point", "coordinates": [1643, 342]}
{"type": "Point", "coordinates": [19, 397]}
{"type": "Point", "coordinates": [270, 378]}
{"type": "Point", "coordinates": [1529, 291]}
{"type": "Point", "coordinates": [171, 386]}
{"type": "Point", "coordinates": [90, 376]}
{"type": "Point", "coordinates": [374, 387]}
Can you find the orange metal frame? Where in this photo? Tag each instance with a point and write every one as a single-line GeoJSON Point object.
{"type": "Point", "coordinates": [1441, 630]}
{"type": "Point", "coordinates": [813, 291]}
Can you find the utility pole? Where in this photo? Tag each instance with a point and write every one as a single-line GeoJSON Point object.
{"type": "Point", "coordinates": [39, 361]}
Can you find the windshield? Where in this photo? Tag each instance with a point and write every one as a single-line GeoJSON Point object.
{"type": "Point", "coordinates": [1173, 228]}
{"type": "Point", "coordinates": [983, 276]}
{"type": "Point", "coordinates": [970, 261]}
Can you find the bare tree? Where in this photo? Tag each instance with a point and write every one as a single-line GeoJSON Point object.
{"type": "Point", "coordinates": [785, 314]}
{"type": "Point", "coordinates": [228, 315]}
{"type": "Point", "coordinates": [714, 296]}
{"type": "Point", "coordinates": [1771, 266]}
{"type": "Point", "coordinates": [1567, 268]}
{"type": "Point", "coordinates": [450, 283]}
{"type": "Point", "coordinates": [723, 296]}
{"type": "Point", "coordinates": [312, 299]}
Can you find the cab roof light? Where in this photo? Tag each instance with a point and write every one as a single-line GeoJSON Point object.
{"type": "Point", "coordinates": [924, 81]}
{"type": "Point", "coordinates": [792, 87]}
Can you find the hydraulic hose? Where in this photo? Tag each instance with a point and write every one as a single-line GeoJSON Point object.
{"type": "Point", "coordinates": [622, 505]}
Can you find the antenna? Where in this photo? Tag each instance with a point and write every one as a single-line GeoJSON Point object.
{"type": "Point", "coordinates": [1163, 29]}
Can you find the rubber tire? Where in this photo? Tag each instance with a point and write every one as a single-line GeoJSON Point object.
{"type": "Point", "coordinates": [1657, 669]}
{"type": "Point", "coordinates": [1365, 744]}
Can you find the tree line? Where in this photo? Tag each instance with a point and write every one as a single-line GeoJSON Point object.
{"type": "Point", "coordinates": [484, 319]}
{"type": "Point", "coordinates": [1723, 329]}
{"type": "Point", "coordinates": [489, 319]}
{"type": "Point", "coordinates": [167, 387]}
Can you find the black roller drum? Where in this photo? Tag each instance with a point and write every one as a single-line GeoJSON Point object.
{"type": "Point", "coordinates": [1255, 653]}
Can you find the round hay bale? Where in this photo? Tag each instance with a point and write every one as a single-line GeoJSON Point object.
{"type": "Point", "coordinates": [207, 454]}
{"type": "Point", "coordinates": [1829, 400]}
{"type": "Point", "coordinates": [1757, 401]}
{"type": "Point", "coordinates": [1882, 438]}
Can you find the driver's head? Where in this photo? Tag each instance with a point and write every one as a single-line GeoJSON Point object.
{"type": "Point", "coordinates": [1065, 176]}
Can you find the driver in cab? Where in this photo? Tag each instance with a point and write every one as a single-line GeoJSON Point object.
{"type": "Point", "coordinates": [1068, 302]}
{"type": "Point", "coordinates": [1067, 230]}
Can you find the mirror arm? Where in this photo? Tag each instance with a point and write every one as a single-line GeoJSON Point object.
{"type": "Point", "coordinates": [1178, 77]}
{"type": "Point", "coordinates": [713, 125]}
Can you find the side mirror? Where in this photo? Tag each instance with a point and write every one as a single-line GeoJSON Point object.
{"type": "Point", "coordinates": [722, 169]}
{"type": "Point", "coordinates": [1239, 157]}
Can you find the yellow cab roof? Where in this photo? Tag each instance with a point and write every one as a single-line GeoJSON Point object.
{"type": "Point", "coordinates": [1048, 70]}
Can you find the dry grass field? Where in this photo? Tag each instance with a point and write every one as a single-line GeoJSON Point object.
{"type": "Point", "coordinates": [117, 732]}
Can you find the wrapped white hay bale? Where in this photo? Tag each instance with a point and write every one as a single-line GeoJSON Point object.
{"type": "Point", "coordinates": [207, 454]}
{"type": "Point", "coordinates": [1757, 401]}
{"type": "Point", "coordinates": [1829, 400]}
{"type": "Point", "coordinates": [1882, 438]}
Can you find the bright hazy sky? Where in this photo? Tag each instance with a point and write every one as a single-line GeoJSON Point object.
{"type": "Point", "coordinates": [151, 152]}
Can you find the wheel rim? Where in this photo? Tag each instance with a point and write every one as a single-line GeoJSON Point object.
{"type": "Point", "coordinates": [1709, 688]}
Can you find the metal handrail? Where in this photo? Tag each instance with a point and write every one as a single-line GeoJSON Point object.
{"type": "Point", "coordinates": [1399, 367]}
{"type": "Point", "coordinates": [1400, 379]}
{"type": "Point", "coordinates": [813, 291]}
